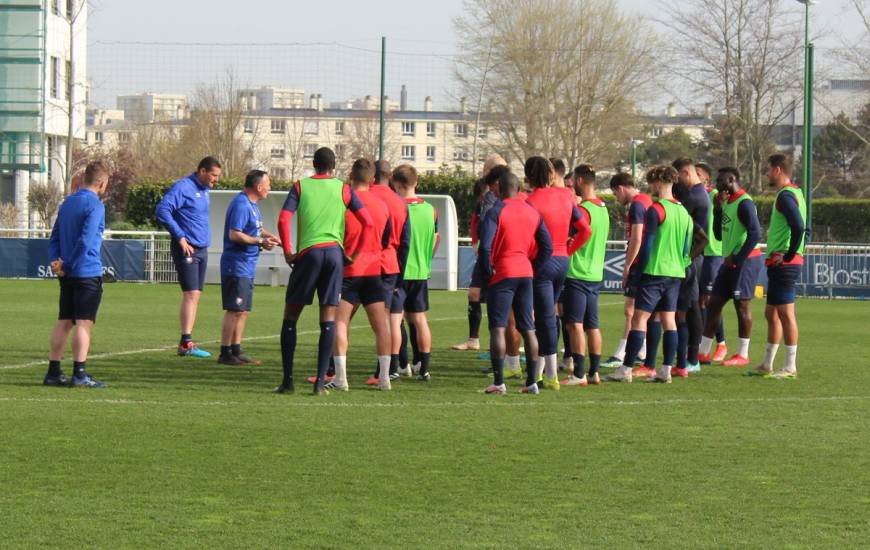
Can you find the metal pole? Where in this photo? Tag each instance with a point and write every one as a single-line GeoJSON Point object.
{"type": "Point", "coordinates": [808, 186]}
{"type": "Point", "coordinates": [383, 91]}
{"type": "Point", "coordinates": [806, 152]}
{"type": "Point", "coordinates": [633, 159]}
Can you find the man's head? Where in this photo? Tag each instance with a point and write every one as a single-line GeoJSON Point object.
{"type": "Point", "coordinates": [559, 166]}
{"type": "Point", "coordinates": [685, 168]}
{"type": "Point", "coordinates": [661, 179]}
{"type": "Point", "coordinates": [96, 177]}
{"type": "Point", "coordinates": [324, 160]}
{"type": "Point", "coordinates": [259, 183]}
{"type": "Point", "coordinates": [209, 171]}
{"type": "Point", "coordinates": [778, 170]}
{"type": "Point", "coordinates": [491, 179]}
{"type": "Point", "coordinates": [362, 172]}
{"type": "Point", "coordinates": [623, 187]}
{"type": "Point", "coordinates": [728, 181]}
{"type": "Point", "coordinates": [404, 178]}
{"type": "Point", "coordinates": [539, 172]}
{"type": "Point", "coordinates": [705, 173]}
{"type": "Point", "coordinates": [491, 162]}
{"type": "Point", "coordinates": [584, 179]}
{"type": "Point", "coordinates": [508, 185]}
{"type": "Point", "coordinates": [382, 172]}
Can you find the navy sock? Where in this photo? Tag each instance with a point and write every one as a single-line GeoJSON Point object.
{"type": "Point", "coordinates": [594, 363]}
{"type": "Point", "coordinates": [403, 349]}
{"type": "Point", "coordinates": [720, 332]}
{"type": "Point", "coordinates": [670, 346]}
{"type": "Point", "coordinates": [566, 339]}
{"type": "Point", "coordinates": [424, 362]}
{"type": "Point", "coordinates": [531, 368]}
{"type": "Point", "coordinates": [185, 338]}
{"type": "Point", "coordinates": [696, 330]}
{"type": "Point", "coordinates": [412, 338]}
{"type": "Point", "coordinates": [653, 337]}
{"type": "Point", "coordinates": [475, 314]}
{"type": "Point", "coordinates": [324, 348]}
{"type": "Point", "coordinates": [288, 349]}
{"type": "Point", "coordinates": [682, 345]}
{"type": "Point", "coordinates": [330, 370]}
{"type": "Point", "coordinates": [394, 363]}
{"type": "Point", "coordinates": [497, 370]}
{"type": "Point", "coordinates": [632, 347]}
{"type": "Point", "coordinates": [226, 351]}
{"type": "Point", "coordinates": [579, 365]}
{"type": "Point", "coordinates": [78, 367]}
{"type": "Point", "coordinates": [54, 368]}
{"type": "Point", "coordinates": [236, 349]}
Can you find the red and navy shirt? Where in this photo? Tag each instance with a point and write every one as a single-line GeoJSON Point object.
{"type": "Point", "coordinates": [367, 246]}
{"type": "Point", "coordinates": [394, 256]}
{"type": "Point", "coordinates": [512, 236]}
{"type": "Point", "coordinates": [636, 214]}
{"type": "Point", "coordinates": [559, 211]}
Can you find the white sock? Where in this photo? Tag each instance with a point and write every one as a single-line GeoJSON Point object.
{"type": "Point", "coordinates": [620, 349]}
{"type": "Point", "coordinates": [664, 371]}
{"type": "Point", "coordinates": [551, 368]}
{"type": "Point", "coordinates": [770, 355]}
{"type": "Point", "coordinates": [706, 344]}
{"type": "Point", "coordinates": [624, 370]}
{"type": "Point", "coordinates": [474, 340]}
{"type": "Point", "coordinates": [743, 347]}
{"type": "Point", "coordinates": [539, 368]}
{"type": "Point", "coordinates": [641, 355]}
{"type": "Point", "coordinates": [340, 370]}
{"type": "Point", "coordinates": [383, 367]}
{"type": "Point", "coordinates": [512, 362]}
{"type": "Point", "coordinates": [790, 358]}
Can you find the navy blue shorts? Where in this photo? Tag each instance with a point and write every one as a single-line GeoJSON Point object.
{"type": "Point", "coordinates": [690, 288]}
{"type": "Point", "coordinates": [237, 293]}
{"type": "Point", "coordinates": [781, 284]}
{"type": "Point", "coordinates": [80, 298]}
{"type": "Point", "coordinates": [476, 275]}
{"type": "Point", "coordinates": [416, 296]}
{"type": "Point", "coordinates": [510, 294]}
{"type": "Point", "coordinates": [318, 269]}
{"type": "Point", "coordinates": [581, 303]}
{"type": "Point", "coordinates": [630, 291]}
{"type": "Point", "coordinates": [394, 294]}
{"type": "Point", "coordinates": [709, 272]}
{"type": "Point", "coordinates": [190, 269]}
{"type": "Point", "coordinates": [738, 283]}
{"type": "Point", "coordinates": [656, 294]}
{"type": "Point", "coordinates": [548, 282]}
{"type": "Point", "coordinates": [362, 290]}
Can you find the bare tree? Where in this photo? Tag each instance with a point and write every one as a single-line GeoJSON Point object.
{"type": "Point", "coordinates": [44, 199]}
{"type": "Point", "coordinates": [562, 76]}
{"type": "Point", "coordinates": [9, 214]}
{"type": "Point", "coordinates": [745, 56]}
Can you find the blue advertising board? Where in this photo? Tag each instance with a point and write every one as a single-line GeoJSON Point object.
{"type": "Point", "coordinates": [123, 260]}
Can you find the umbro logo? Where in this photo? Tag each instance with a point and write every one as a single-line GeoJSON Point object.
{"type": "Point", "coordinates": [615, 265]}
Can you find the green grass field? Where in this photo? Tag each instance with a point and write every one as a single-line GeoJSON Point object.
{"type": "Point", "coordinates": [181, 452]}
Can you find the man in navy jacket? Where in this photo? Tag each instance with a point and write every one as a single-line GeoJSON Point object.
{"type": "Point", "coordinates": [184, 212]}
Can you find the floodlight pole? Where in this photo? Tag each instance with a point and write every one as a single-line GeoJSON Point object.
{"type": "Point", "coordinates": [382, 102]}
{"type": "Point", "coordinates": [807, 153]}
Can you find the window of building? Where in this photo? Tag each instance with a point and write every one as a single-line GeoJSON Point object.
{"type": "Point", "coordinates": [430, 129]}
{"type": "Point", "coordinates": [339, 127]}
{"type": "Point", "coordinates": [49, 159]}
{"type": "Point", "coordinates": [460, 154]}
{"type": "Point", "coordinates": [430, 153]}
{"type": "Point", "coordinates": [460, 130]}
{"type": "Point", "coordinates": [309, 150]}
{"type": "Point", "coordinates": [70, 7]}
{"type": "Point", "coordinates": [249, 126]}
{"type": "Point", "coordinates": [279, 174]}
{"type": "Point", "coordinates": [340, 150]}
{"type": "Point", "coordinates": [278, 153]}
{"type": "Point", "coordinates": [279, 126]}
{"type": "Point", "coordinates": [657, 132]}
{"type": "Point", "coordinates": [124, 137]}
{"type": "Point", "coordinates": [409, 152]}
{"type": "Point", "coordinates": [311, 127]}
{"type": "Point", "coordinates": [98, 136]}
{"type": "Point", "coordinates": [7, 188]}
{"type": "Point", "coordinates": [482, 132]}
{"type": "Point", "coordinates": [409, 128]}
{"type": "Point", "coordinates": [55, 77]}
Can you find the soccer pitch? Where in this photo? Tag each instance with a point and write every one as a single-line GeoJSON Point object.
{"type": "Point", "coordinates": [180, 452]}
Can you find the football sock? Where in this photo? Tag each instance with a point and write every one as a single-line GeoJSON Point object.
{"type": "Point", "coordinates": [497, 370]}
{"type": "Point", "coordinates": [288, 349]}
{"type": "Point", "coordinates": [653, 337]}
{"type": "Point", "coordinates": [424, 362]}
{"type": "Point", "coordinates": [720, 332]}
{"type": "Point", "coordinates": [579, 365]}
{"type": "Point", "coordinates": [394, 363]}
{"type": "Point", "coordinates": [185, 338]}
{"type": "Point", "coordinates": [790, 358]}
{"type": "Point", "coordinates": [641, 355]}
{"type": "Point", "coordinates": [632, 347]}
{"type": "Point", "coordinates": [696, 329]}
{"type": "Point", "coordinates": [551, 366]}
{"type": "Point", "coordinates": [226, 351]}
{"type": "Point", "coordinates": [79, 367]}
{"type": "Point", "coordinates": [705, 346]}
{"type": "Point", "coordinates": [330, 371]}
{"type": "Point", "coordinates": [620, 349]}
{"type": "Point", "coordinates": [682, 344]}
{"type": "Point", "coordinates": [340, 370]}
{"type": "Point", "coordinates": [770, 355]}
{"type": "Point", "coordinates": [54, 368]}
{"type": "Point", "coordinates": [324, 348]}
{"type": "Point", "coordinates": [669, 346]}
{"type": "Point", "coordinates": [403, 349]}
{"type": "Point", "coordinates": [412, 337]}
{"type": "Point", "coordinates": [743, 347]}
{"type": "Point", "coordinates": [513, 362]}
{"type": "Point", "coordinates": [594, 363]}
{"type": "Point", "coordinates": [566, 339]}
{"type": "Point", "coordinates": [236, 349]}
{"type": "Point", "coordinates": [384, 363]}
{"type": "Point", "coordinates": [475, 314]}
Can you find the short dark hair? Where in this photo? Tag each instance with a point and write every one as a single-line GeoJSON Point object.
{"type": "Point", "coordinates": [559, 166]}
{"type": "Point", "coordinates": [405, 176]}
{"type": "Point", "coordinates": [682, 162]}
{"type": "Point", "coordinates": [94, 171]}
{"type": "Point", "coordinates": [731, 170]}
{"type": "Point", "coordinates": [663, 174]}
{"type": "Point", "coordinates": [496, 172]}
{"type": "Point", "coordinates": [780, 161]}
{"type": "Point", "coordinates": [537, 170]}
{"type": "Point", "coordinates": [622, 178]}
{"type": "Point", "coordinates": [382, 170]}
{"type": "Point", "coordinates": [324, 160]}
{"type": "Point", "coordinates": [362, 171]}
{"type": "Point", "coordinates": [254, 177]}
{"type": "Point", "coordinates": [705, 167]}
{"type": "Point", "coordinates": [208, 164]}
{"type": "Point", "coordinates": [585, 172]}
{"type": "Point", "coordinates": [508, 184]}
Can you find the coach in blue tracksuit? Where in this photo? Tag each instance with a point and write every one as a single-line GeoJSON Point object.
{"type": "Point", "coordinates": [74, 255]}
{"type": "Point", "coordinates": [184, 212]}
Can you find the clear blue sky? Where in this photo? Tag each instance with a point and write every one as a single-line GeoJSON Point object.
{"type": "Point", "coordinates": [410, 26]}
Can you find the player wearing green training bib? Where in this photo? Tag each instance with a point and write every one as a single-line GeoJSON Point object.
{"type": "Point", "coordinates": [710, 265]}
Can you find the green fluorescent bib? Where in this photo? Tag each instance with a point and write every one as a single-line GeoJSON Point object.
{"type": "Point", "coordinates": [779, 234]}
{"type": "Point", "coordinates": [673, 242]}
{"type": "Point", "coordinates": [714, 246]}
{"type": "Point", "coordinates": [321, 212]}
{"type": "Point", "coordinates": [422, 246]}
{"type": "Point", "coordinates": [587, 264]}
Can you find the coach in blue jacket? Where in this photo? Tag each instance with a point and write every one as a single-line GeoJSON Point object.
{"type": "Point", "coordinates": [74, 256]}
{"type": "Point", "coordinates": [184, 212]}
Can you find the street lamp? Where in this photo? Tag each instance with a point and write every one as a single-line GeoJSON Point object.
{"type": "Point", "coordinates": [634, 143]}
{"type": "Point", "coordinates": [807, 153]}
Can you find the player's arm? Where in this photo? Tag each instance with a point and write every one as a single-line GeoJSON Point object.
{"type": "Point", "coordinates": [404, 245]}
{"type": "Point", "coordinates": [544, 244]}
{"type": "Point", "coordinates": [488, 228]}
{"type": "Point", "coordinates": [788, 205]}
{"type": "Point", "coordinates": [90, 233]}
{"type": "Point", "coordinates": [636, 219]}
{"type": "Point", "coordinates": [291, 204]}
{"type": "Point", "coordinates": [699, 240]}
{"type": "Point", "coordinates": [358, 209]}
{"type": "Point", "coordinates": [580, 228]}
{"type": "Point", "coordinates": [54, 259]}
{"type": "Point", "coordinates": [749, 218]}
{"type": "Point", "coordinates": [654, 217]}
{"type": "Point", "coordinates": [388, 234]}
{"type": "Point", "coordinates": [171, 201]}
{"type": "Point", "coordinates": [437, 236]}
{"type": "Point", "coordinates": [475, 221]}
{"type": "Point", "coordinates": [717, 221]}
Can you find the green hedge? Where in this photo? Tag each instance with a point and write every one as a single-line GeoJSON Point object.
{"type": "Point", "coordinates": [835, 220]}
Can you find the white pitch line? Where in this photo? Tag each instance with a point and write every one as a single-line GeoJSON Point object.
{"type": "Point", "coordinates": [282, 401]}
{"type": "Point", "coordinates": [109, 355]}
